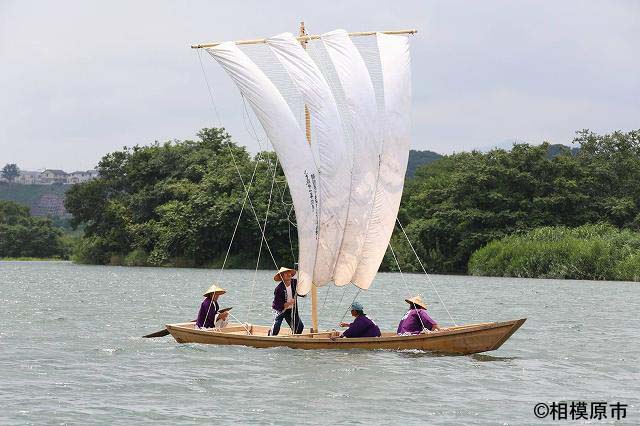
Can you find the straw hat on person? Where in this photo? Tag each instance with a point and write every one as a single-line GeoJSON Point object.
{"type": "Point", "coordinates": [416, 300]}
{"type": "Point", "coordinates": [214, 289]}
{"type": "Point", "coordinates": [277, 277]}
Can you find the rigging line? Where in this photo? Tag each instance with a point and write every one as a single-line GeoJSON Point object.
{"type": "Point", "coordinates": [425, 272]}
{"type": "Point", "coordinates": [405, 284]}
{"type": "Point", "coordinates": [266, 217]}
{"type": "Point", "coordinates": [253, 210]}
{"type": "Point", "coordinates": [354, 299]}
{"type": "Point", "coordinates": [335, 313]}
{"type": "Point", "coordinates": [241, 323]}
{"type": "Point", "coordinates": [246, 117]}
{"type": "Point", "coordinates": [400, 270]}
{"type": "Point", "coordinates": [215, 110]}
{"type": "Point", "coordinates": [325, 297]}
{"type": "Point", "coordinates": [235, 229]}
{"type": "Point", "coordinates": [206, 80]}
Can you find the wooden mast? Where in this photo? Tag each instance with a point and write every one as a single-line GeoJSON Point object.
{"type": "Point", "coordinates": [307, 124]}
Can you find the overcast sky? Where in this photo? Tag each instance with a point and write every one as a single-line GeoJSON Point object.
{"type": "Point", "coordinates": [79, 79]}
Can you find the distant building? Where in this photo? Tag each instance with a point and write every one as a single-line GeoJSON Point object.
{"type": "Point", "coordinates": [51, 176]}
{"type": "Point", "coordinates": [81, 176]}
{"type": "Point", "coordinates": [28, 178]}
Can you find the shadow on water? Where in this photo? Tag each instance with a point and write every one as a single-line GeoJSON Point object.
{"type": "Point", "coordinates": [491, 358]}
{"type": "Point", "coordinates": [475, 357]}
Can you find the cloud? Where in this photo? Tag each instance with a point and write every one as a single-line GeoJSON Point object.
{"type": "Point", "coordinates": [82, 79]}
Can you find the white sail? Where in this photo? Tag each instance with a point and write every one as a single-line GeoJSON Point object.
{"type": "Point", "coordinates": [291, 146]}
{"type": "Point", "coordinates": [396, 79]}
{"type": "Point", "coordinates": [362, 121]}
{"type": "Point", "coordinates": [329, 148]}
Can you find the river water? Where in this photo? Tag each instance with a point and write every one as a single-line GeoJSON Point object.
{"type": "Point", "coordinates": [71, 352]}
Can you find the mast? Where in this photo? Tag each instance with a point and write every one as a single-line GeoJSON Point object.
{"type": "Point", "coordinates": [307, 124]}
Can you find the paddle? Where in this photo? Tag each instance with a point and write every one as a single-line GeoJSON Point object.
{"type": "Point", "coordinates": [157, 334]}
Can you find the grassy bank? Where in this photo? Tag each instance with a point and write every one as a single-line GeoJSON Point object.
{"type": "Point", "coordinates": [589, 252]}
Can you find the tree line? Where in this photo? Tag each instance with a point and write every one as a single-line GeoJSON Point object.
{"type": "Point", "coordinates": [177, 203]}
{"type": "Point", "coordinates": [460, 203]}
{"type": "Point", "coordinates": [22, 235]}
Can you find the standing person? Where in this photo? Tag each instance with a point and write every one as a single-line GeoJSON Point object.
{"type": "Point", "coordinates": [416, 320]}
{"type": "Point", "coordinates": [284, 302]}
{"type": "Point", "coordinates": [361, 326]}
{"type": "Point", "coordinates": [209, 308]}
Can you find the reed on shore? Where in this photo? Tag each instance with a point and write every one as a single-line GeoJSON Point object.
{"type": "Point", "coordinates": [588, 252]}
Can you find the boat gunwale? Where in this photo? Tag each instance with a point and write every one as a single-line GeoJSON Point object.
{"type": "Point", "coordinates": [300, 338]}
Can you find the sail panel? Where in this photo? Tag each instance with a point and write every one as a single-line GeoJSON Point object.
{"type": "Point", "coordinates": [362, 120]}
{"type": "Point", "coordinates": [329, 147]}
{"type": "Point", "coordinates": [290, 144]}
{"type": "Point", "coordinates": [396, 78]}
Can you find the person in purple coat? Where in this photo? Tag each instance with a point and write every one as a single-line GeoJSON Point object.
{"type": "Point", "coordinates": [284, 302]}
{"type": "Point", "coordinates": [361, 326]}
{"type": "Point", "coordinates": [209, 308]}
{"type": "Point", "coordinates": [416, 320]}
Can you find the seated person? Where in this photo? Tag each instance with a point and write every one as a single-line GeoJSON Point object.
{"type": "Point", "coordinates": [284, 302]}
{"type": "Point", "coordinates": [209, 308]}
{"type": "Point", "coordinates": [361, 325]}
{"type": "Point", "coordinates": [222, 319]}
{"type": "Point", "coordinates": [416, 320]}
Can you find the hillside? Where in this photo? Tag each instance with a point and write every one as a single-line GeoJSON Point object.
{"type": "Point", "coordinates": [39, 198]}
{"type": "Point", "coordinates": [420, 158]}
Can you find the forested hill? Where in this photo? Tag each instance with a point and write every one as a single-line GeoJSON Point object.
{"type": "Point", "coordinates": [558, 149]}
{"type": "Point", "coordinates": [420, 158]}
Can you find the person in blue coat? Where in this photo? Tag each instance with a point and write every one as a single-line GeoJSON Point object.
{"type": "Point", "coordinates": [284, 302]}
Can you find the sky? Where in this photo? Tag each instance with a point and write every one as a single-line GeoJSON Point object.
{"type": "Point", "coordinates": [80, 79]}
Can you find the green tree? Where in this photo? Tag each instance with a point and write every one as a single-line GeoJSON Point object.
{"type": "Point", "coordinates": [22, 235]}
{"type": "Point", "coordinates": [460, 203]}
{"type": "Point", "coordinates": [10, 172]}
{"type": "Point", "coordinates": [178, 202]}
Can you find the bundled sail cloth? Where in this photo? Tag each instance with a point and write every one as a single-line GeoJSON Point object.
{"type": "Point", "coordinates": [346, 184]}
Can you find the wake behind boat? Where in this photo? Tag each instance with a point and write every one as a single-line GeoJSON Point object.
{"type": "Point", "coordinates": [338, 117]}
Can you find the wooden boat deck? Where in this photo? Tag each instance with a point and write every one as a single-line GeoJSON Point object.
{"type": "Point", "coordinates": [464, 339]}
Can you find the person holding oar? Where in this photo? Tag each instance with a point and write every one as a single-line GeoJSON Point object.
{"type": "Point", "coordinates": [210, 308]}
{"type": "Point", "coordinates": [210, 314]}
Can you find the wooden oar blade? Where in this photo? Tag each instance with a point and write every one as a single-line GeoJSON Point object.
{"type": "Point", "coordinates": [160, 333]}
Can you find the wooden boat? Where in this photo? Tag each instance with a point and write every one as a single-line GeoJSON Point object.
{"type": "Point", "coordinates": [358, 157]}
{"type": "Point", "coordinates": [461, 340]}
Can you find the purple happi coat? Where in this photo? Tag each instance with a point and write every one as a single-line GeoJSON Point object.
{"type": "Point", "coordinates": [362, 327]}
{"type": "Point", "coordinates": [413, 320]}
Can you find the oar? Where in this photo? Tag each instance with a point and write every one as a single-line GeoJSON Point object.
{"type": "Point", "coordinates": [157, 334]}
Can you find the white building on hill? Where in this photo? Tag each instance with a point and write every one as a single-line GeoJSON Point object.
{"type": "Point", "coordinates": [81, 176]}
{"type": "Point", "coordinates": [51, 176]}
{"type": "Point", "coordinates": [28, 178]}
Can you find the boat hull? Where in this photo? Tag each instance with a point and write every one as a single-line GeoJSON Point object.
{"type": "Point", "coordinates": [463, 340]}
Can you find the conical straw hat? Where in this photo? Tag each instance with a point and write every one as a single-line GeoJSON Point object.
{"type": "Point", "coordinates": [276, 277]}
{"type": "Point", "coordinates": [214, 289]}
{"type": "Point", "coordinates": [417, 300]}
